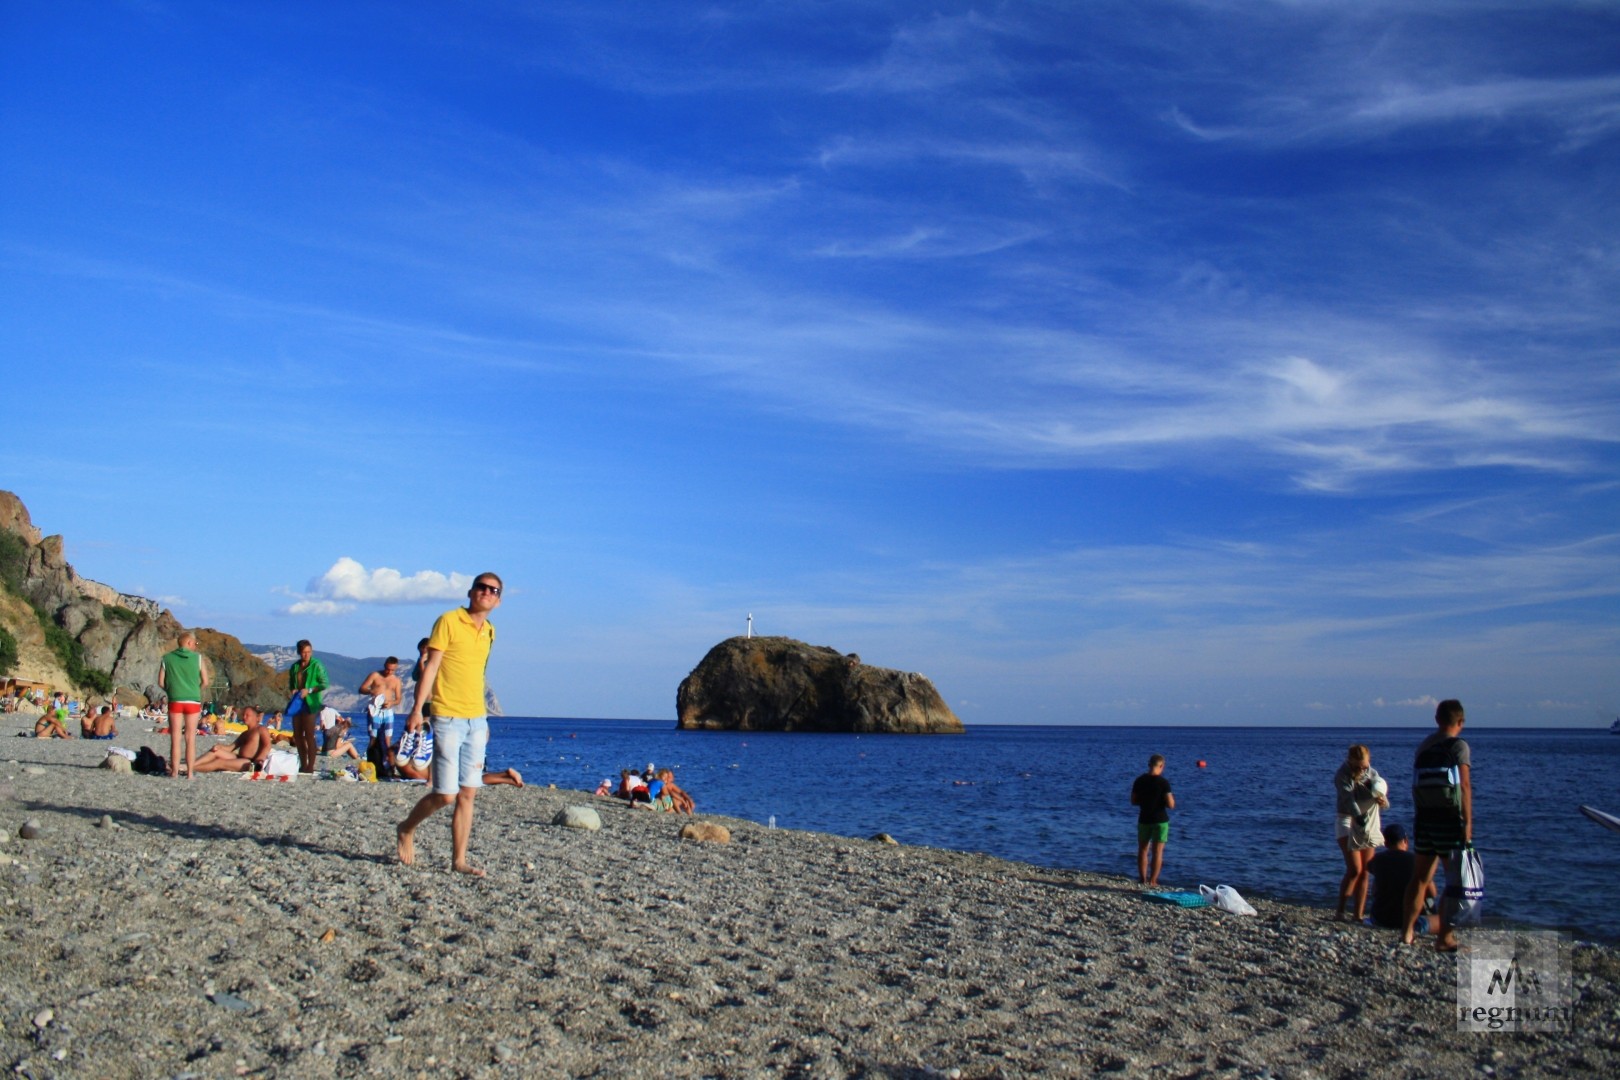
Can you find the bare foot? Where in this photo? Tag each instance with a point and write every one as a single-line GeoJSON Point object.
{"type": "Point", "coordinates": [517, 777]}
{"type": "Point", "coordinates": [471, 871]}
{"type": "Point", "coordinates": [407, 846]}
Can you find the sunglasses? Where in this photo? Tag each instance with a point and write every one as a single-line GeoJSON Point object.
{"type": "Point", "coordinates": [484, 586]}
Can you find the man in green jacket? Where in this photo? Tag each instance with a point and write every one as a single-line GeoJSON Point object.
{"type": "Point", "coordinates": [305, 680]}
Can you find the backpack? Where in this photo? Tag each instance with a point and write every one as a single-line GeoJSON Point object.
{"type": "Point", "coordinates": [150, 764]}
{"type": "Point", "coordinates": [1436, 782]}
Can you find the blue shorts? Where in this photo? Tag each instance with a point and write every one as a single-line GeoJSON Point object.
{"type": "Point", "coordinates": [458, 752]}
{"type": "Point", "coordinates": [382, 724]}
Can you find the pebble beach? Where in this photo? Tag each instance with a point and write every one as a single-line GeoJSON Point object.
{"type": "Point", "coordinates": [223, 927]}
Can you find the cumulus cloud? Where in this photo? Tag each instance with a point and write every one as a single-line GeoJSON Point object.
{"type": "Point", "coordinates": [1427, 701]}
{"type": "Point", "coordinates": [348, 584]}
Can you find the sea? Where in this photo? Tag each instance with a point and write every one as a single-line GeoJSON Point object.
{"type": "Point", "coordinates": [1254, 806]}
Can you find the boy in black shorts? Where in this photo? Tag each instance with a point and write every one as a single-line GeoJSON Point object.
{"type": "Point", "coordinates": [1443, 795]}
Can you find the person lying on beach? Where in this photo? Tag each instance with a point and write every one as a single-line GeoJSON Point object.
{"type": "Point", "coordinates": [249, 750]}
{"type": "Point", "coordinates": [505, 776]}
{"type": "Point", "coordinates": [413, 759]}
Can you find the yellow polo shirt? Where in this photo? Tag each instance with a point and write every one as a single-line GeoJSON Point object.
{"type": "Point", "coordinates": [459, 688]}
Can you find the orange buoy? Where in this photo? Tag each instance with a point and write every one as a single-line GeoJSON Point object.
{"type": "Point", "coordinates": [1202, 763]}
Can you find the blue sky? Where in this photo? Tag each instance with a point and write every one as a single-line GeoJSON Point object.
{"type": "Point", "coordinates": [1144, 362]}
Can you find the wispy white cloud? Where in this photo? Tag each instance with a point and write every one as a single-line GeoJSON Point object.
{"type": "Point", "coordinates": [1582, 109]}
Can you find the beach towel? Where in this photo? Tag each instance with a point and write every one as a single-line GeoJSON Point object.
{"type": "Point", "coordinates": [1178, 897]}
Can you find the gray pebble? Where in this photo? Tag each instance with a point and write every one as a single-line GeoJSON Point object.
{"type": "Point", "coordinates": [31, 829]}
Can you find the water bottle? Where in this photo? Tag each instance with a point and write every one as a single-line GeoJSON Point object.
{"type": "Point", "coordinates": [770, 822]}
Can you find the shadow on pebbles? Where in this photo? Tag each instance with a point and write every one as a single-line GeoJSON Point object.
{"type": "Point", "coordinates": [219, 927]}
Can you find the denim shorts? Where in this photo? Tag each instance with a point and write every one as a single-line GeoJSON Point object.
{"type": "Point", "coordinates": [458, 752]}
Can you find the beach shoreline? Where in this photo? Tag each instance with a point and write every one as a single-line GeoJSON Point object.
{"type": "Point", "coordinates": [225, 927]}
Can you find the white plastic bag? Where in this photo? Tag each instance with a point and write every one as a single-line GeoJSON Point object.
{"type": "Point", "coordinates": [1227, 899]}
{"type": "Point", "coordinates": [281, 763]}
{"type": "Point", "coordinates": [1468, 894]}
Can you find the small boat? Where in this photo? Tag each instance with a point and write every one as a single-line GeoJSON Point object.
{"type": "Point", "coordinates": [1608, 821]}
{"type": "Point", "coordinates": [1614, 728]}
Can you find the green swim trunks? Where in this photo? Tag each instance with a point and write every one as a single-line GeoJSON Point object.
{"type": "Point", "coordinates": [1152, 832]}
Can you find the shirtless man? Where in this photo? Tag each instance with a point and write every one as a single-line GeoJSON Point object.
{"type": "Point", "coordinates": [101, 724]}
{"type": "Point", "coordinates": [250, 749]}
{"type": "Point", "coordinates": [380, 717]}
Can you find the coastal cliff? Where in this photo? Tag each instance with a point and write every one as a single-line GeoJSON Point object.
{"type": "Point", "coordinates": [779, 684]}
{"type": "Point", "coordinates": [80, 635]}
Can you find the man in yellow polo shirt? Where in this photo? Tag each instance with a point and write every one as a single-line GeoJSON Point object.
{"type": "Point", "coordinates": [453, 680]}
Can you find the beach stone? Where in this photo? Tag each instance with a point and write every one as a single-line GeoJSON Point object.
{"type": "Point", "coordinates": [31, 829]}
{"type": "Point", "coordinates": [43, 1018]}
{"type": "Point", "coordinates": [106, 822]}
{"type": "Point", "coordinates": [884, 838]}
{"type": "Point", "coordinates": [118, 763]}
{"type": "Point", "coordinates": [34, 770]}
{"type": "Point", "coordinates": [578, 817]}
{"type": "Point", "coordinates": [706, 832]}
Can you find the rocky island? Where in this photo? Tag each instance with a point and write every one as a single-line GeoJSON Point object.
{"type": "Point", "coordinates": [779, 684]}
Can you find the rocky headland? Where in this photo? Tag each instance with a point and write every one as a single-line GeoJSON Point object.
{"type": "Point", "coordinates": [779, 684]}
{"type": "Point", "coordinates": [76, 634]}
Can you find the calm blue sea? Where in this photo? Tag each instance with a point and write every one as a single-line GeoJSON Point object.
{"type": "Point", "coordinates": [1258, 817]}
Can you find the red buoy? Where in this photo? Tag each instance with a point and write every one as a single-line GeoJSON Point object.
{"type": "Point", "coordinates": [1202, 763]}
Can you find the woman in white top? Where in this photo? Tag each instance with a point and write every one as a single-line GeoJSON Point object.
{"type": "Point", "coordinates": [1360, 793]}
